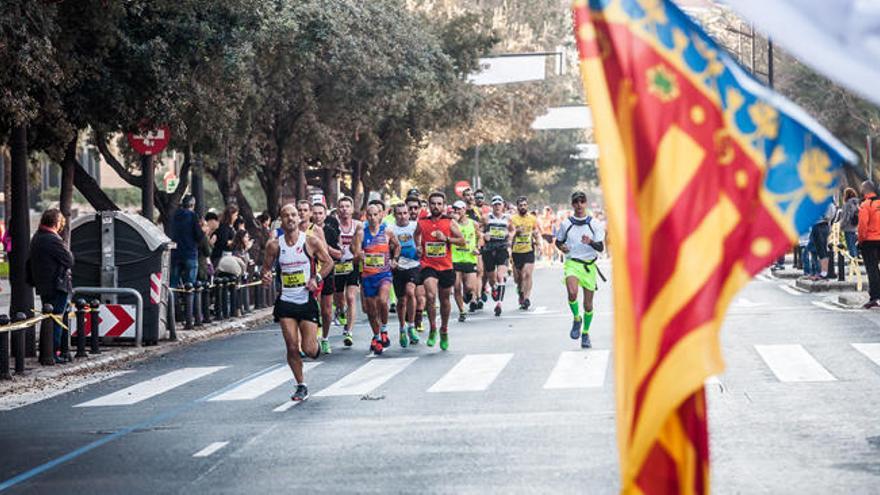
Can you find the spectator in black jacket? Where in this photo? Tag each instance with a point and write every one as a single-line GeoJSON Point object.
{"type": "Point", "coordinates": [50, 266]}
{"type": "Point", "coordinates": [186, 233]}
{"type": "Point", "coordinates": [223, 235]}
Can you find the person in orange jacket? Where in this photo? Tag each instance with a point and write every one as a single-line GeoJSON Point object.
{"type": "Point", "coordinates": [869, 240]}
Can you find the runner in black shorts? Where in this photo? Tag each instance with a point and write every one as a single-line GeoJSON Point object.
{"type": "Point", "coordinates": [331, 236]}
{"type": "Point", "coordinates": [498, 230]}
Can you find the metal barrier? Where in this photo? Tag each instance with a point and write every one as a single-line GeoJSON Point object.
{"type": "Point", "coordinates": [122, 291]}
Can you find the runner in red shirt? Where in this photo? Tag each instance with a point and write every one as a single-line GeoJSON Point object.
{"type": "Point", "coordinates": [434, 235]}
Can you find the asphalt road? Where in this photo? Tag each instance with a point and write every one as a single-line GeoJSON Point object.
{"type": "Point", "coordinates": [513, 407]}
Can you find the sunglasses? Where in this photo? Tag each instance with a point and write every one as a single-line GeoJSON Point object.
{"type": "Point", "coordinates": [578, 200]}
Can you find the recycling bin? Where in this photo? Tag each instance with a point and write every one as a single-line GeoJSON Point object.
{"type": "Point", "coordinates": [118, 249]}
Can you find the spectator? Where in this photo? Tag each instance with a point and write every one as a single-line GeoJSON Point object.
{"type": "Point", "coordinates": [206, 269]}
{"type": "Point", "coordinates": [187, 234]}
{"type": "Point", "coordinates": [239, 224]}
{"type": "Point", "coordinates": [49, 267]}
{"type": "Point", "coordinates": [819, 239]}
{"type": "Point", "coordinates": [224, 234]}
{"type": "Point", "coordinates": [869, 240]}
{"type": "Point", "coordinates": [235, 263]}
{"type": "Point", "coordinates": [849, 222]}
{"type": "Point", "coordinates": [262, 235]}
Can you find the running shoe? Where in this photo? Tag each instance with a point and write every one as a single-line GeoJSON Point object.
{"type": "Point", "coordinates": [521, 298]}
{"type": "Point", "coordinates": [347, 338]}
{"type": "Point", "coordinates": [585, 341]}
{"type": "Point", "coordinates": [472, 307]}
{"type": "Point", "coordinates": [444, 341]}
{"type": "Point", "coordinates": [413, 335]}
{"type": "Point", "coordinates": [575, 329]}
{"type": "Point", "coordinates": [432, 338]}
{"type": "Point", "coordinates": [392, 308]}
{"type": "Point", "coordinates": [420, 328]}
{"type": "Point", "coordinates": [404, 341]}
{"type": "Point", "coordinates": [526, 304]}
{"type": "Point", "coordinates": [462, 317]}
{"type": "Point", "coordinates": [341, 318]}
{"type": "Point", "coordinates": [302, 355]}
{"type": "Point", "coordinates": [498, 309]}
{"type": "Point", "coordinates": [484, 296]}
{"type": "Point", "coordinates": [386, 341]}
{"type": "Point", "coordinates": [301, 394]}
{"type": "Point", "coordinates": [325, 347]}
{"type": "Point", "coordinates": [376, 345]}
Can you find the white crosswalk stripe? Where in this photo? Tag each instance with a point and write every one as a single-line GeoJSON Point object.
{"type": "Point", "coordinates": [577, 369]}
{"type": "Point", "coordinates": [367, 378]}
{"type": "Point", "coordinates": [792, 363]}
{"type": "Point", "coordinates": [151, 388]}
{"type": "Point", "coordinates": [258, 386]}
{"type": "Point", "coordinates": [473, 373]}
{"type": "Point", "coordinates": [871, 351]}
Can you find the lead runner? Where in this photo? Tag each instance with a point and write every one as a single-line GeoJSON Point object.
{"type": "Point", "coordinates": [296, 309]}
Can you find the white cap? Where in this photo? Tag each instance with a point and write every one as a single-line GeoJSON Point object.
{"type": "Point", "coordinates": [497, 200]}
{"type": "Point", "coordinates": [318, 199]}
{"type": "Point", "coordinates": [459, 204]}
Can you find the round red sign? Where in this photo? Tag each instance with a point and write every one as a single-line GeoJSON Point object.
{"type": "Point", "coordinates": [460, 186]}
{"type": "Point", "coordinates": [150, 142]}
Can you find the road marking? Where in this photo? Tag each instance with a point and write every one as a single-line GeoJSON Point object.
{"type": "Point", "coordinates": [792, 363]}
{"type": "Point", "coordinates": [473, 373]}
{"type": "Point", "coordinates": [366, 378]}
{"type": "Point", "coordinates": [764, 278]}
{"type": "Point", "coordinates": [871, 351]}
{"type": "Point", "coordinates": [791, 290]}
{"type": "Point", "coordinates": [258, 386]}
{"type": "Point", "coordinates": [151, 388]}
{"type": "Point", "coordinates": [578, 369]}
{"type": "Point", "coordinates": [287, 405]}
{"type": "Point", "coordinates": [210, 449]}
{"type": "Point", "coordinates": [742, 302]}
{"type": "Point", "coordinates": [32, 397]}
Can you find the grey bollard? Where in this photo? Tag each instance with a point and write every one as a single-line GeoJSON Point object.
{"type": "Point", "coordinates": [218, 298]}
{"type": "Point", "coordinates": [81, 309]}
{"type": "Point", "coordinates": [197, 304]}
{"type": "Point", "coordinates": [841, 267]}
{"type": "Point", "coordinates": [65, 334]}
{"type": "Point", "coordinates": [4, 350]}
{"type": "Point", "coordinates": [207, 296]}
{"type": "Point", "coordinates": [188, 307]}
{"type": "Point", "coordinates": [95, 330]}
{"type": "Point", "coordinates": [246, 298]}
{"type": "Point", "coordinates": [47, 338]}
{"type": "Point", "coordinates": [19, 348]}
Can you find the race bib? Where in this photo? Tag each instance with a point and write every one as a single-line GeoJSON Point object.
{"type": "Point", "coordinates": [293, 280]}
{"type": "Point", "coordinates": [374, 260]}
{"type": "Point", "coordinates": [497, 232]}
{"type": "Point", "coordinates": [435, 249]}
{"type": "Point", "coordinates": [522, 239]}
{"type": "Point", "coordinates": [343, 268]}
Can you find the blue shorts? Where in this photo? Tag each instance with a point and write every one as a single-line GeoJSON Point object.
{"type": "Point", "coordinates": [372, 283]}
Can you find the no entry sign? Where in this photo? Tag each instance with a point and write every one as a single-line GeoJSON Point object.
{"type": "Point", "coordinates": [460, 186]}
{"type": "Point", "coordinates": [150, 142]}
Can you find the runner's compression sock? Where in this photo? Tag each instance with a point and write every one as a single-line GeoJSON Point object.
{"type": "Point", "coordinates": [588, 318]}
{"type": "Point", "coordinates": [418, 318]}
{"type": "Point", "coordinates": [573, 305]}
{"type": "Point", "coordinates": [501, 292]}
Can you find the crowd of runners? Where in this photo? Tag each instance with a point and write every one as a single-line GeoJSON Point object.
{"type": "Point", "coordinates": [417, 258]}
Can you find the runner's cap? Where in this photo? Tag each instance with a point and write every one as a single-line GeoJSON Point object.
{"type": "Point", "coordinates": [459, 205]}
{"type": "Point", "coordinates": [497, 200]}
{"type": "Point", "coordinates": [318, 199]}
{"type": "Point", "coordinates": [578, 196]}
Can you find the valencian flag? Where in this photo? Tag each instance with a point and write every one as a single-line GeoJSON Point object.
{"type": "Point", "coordinates": [707, 177]}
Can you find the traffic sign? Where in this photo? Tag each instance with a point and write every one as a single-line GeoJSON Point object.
{"type": "Point", "coordinates": [460, 186]}
{"type": "Point", "coordinates": [114, 320]}
{"type": "Point", "coordinates": [150, 142]}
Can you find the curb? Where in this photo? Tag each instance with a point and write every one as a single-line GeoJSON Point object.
{"type": "Point", "coordinates": [62, 376]}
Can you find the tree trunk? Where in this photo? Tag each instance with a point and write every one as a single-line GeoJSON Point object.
{"type": "Point", "coordinates": [148, 172]}
{"type": "Point", "coordinates": [356, 191]}
{"type": "Point", "coordinates": [329, 185]}
{"type": "Point", "coordinates": [68, 171]}
{"type": "Point", "coordinates": [20, 232]}
{"type": "Point", "coordinates": [91, 190]}
{"type": "Point", "coordinates": [198, 185]}
{"type": "Point", "coordinates": [301, 182]}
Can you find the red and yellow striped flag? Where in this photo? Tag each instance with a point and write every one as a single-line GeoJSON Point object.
{"type": "Point", "coordinates": [707, 177]}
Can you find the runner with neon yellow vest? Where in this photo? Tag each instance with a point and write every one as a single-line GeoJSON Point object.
{"type": "Point", "coordinates": [464, 261]}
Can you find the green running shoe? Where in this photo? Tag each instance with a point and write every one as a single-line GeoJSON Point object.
{"type": "Point", "coordinates": [347, 339]}
{"type": "Point", "coordinates": [404, 341]}
{"type": "Point", "coordinates": [413, 335]}
{"type": "Point", "coordinates": [444, 341]}
{"type": "Point", "coordinates": [432, 338]}
{"type": "Point", "coordinates": [325, 347]}
{"type": "Point", "coordinates": [342, 319]}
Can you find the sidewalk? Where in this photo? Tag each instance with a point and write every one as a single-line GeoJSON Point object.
{"type": "Point", "coordinates": [41, 382]}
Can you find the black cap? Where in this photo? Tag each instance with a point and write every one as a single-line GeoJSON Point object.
{"type": "Point", "coordinates": [414, 192]}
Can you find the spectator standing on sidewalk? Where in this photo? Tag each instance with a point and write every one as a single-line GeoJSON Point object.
{"type": "Point", "coordinates": [206, 269]}
{"type": "Point", "coordinates": [224, 234]}
{"type": "Point", "coordinates": [849, 220]}
{"type": "Point", "coordinates": [49, 266]}
{"type": "Point", "coordinates": [869, 240]}
{"type": "Point", "coordinates": [819, 238]}
{"type": "Point", "coordinates": [187, 234]}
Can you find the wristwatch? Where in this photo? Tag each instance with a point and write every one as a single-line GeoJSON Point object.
{"type": "Point", "coordinates": [318, 278]}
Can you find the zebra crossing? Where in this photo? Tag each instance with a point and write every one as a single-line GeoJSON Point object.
{"type": "Point", "coordinates": [471, 373]}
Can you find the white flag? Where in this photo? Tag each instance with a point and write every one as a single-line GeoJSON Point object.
{"type": "Point", "coordinates": [839, 38]}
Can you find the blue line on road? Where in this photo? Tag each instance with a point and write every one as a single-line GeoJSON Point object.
{"type": "Point", "coordinates": [125, 431]}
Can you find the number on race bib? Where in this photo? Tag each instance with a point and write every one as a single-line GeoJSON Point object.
{"type": "Point", "coordinates": [293, 280]}
{"type": "Point", "coordinates": [343, 268]}
{"type": "Point", "coordinates": [435, 249]}
{"type": "Point", "coordinates": [374, 260]}
{"type": "Point", "coordinates": [497, 232]}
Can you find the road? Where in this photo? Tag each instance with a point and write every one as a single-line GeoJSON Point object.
{"type": "Point", "coordinates": [500, 412]}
